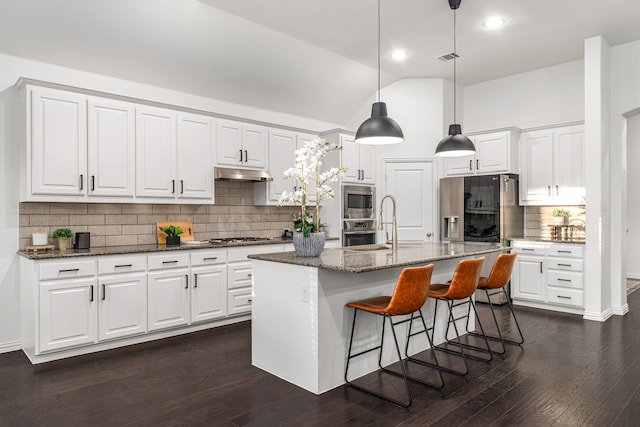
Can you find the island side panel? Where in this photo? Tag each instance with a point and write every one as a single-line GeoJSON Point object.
{"type": "Point", "coordinates": [284, 328]}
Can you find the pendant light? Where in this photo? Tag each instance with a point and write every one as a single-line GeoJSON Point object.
{"type": "Point", "coordinates": [455, 144]}
{"type": "Point", "coordinates": [379, 129]}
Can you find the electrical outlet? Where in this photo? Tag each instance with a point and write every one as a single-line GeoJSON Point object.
{"type": "Point", "coordinates": [305, 293]}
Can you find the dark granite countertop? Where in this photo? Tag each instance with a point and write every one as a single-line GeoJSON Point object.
{"type": "Point", "coordinates": [359, 261]}
{"type": "Point", "coordinates": [132, 249]}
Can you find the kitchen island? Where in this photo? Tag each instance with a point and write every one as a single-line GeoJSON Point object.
{"type": "Point", "coordinates": [300, 325]}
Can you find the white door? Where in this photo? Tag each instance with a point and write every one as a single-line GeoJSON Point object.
{"type": "Point", "coordinates": [350, 159]}
{"type": "Point", "coordinates": [229, 143]}
{"type": "Point", "coordinates": [254, 146]}
{"type": "Point", "coordinates": [155, 152]}
{"type": "Point", "coordinates": [122, 305]}
{"type": "Point", "coordinates": [568, 172]}
{"type": "Point", "coordinates": [282, 144]}
{"type": "Point", "coordinates": [459, 166]}
{"type": "Point", "coordinates": [493, 153]}
{"type": "Point", "coordinates": [537, 164]}
{"type": "Point", "coordinates": [368, 164]}
{"type": "Point", "coordinates": [168, 293]}
{"type": "Point", "coordinates": [208, 293]}
{"type": "Point", "coordinates": [68, 314]}
{"type": "Point", "coordinates": [528, 278]}
{"type": "Point", "coordinates": [111, 148]}
{"type": "Point", "coordinates": [413, 186]}
{"type": "Point", "coordinates": [195, 157]}
{"type": "Point", "coordinates": [58, 142]}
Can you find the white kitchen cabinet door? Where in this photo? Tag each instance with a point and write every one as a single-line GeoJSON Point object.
{"type": "Point", "coordinates": [58, 142]}
{"type": "Point", "coordinates": [68, 314]}
{"type": "Point", "coordinates": [239, 301]}
{"type": "Point", "coordinates": [122, 308]}
{"type": "Point", "coordinates": [228, 142]}
{"type": "Point", "coordinates": [459, 166]}
{"type": "Point", "coordinates": [254, 146]}
{"type": "Point", "coordinates": [368, 164]}
{"type": "Point", "coordinates": [528, 280]}
{"type": "Point", "coordinates": [411, 183]}
{"type": "Point", "coordinates": [168, 294]}
{"type": "Point", "coordinates": [239, 274]}
{"type": "Point", "coordinates": [155, 152]}
{"type": "Point", "coordinates": [492, 153]}
{"type": "Point", "coordinates": [195, 157]}
{"type": "Point", "coordinates": [208, 292]}
{"type": "Point", "coordinates": [111, 148]}
{"type": "Point", "coordinates": [350, 159]}
{"type": "Point", "coordinates": [282, 145]}
{"type": "Point", "coordinates": [537, 167]}
{"type": "Point", "coordinates": [568, 168]}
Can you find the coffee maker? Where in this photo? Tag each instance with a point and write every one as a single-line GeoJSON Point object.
{"type": "Point", "coordinates": [82, 240]}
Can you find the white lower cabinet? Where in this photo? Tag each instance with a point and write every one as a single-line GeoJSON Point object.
{"type": "Point", "coordinates": [208, 285]}
{"type": "Point", "coordinates": [73, 306]}
{"type": "Point", "coordinates": [68, 314]}
{"type": "Point", "coordinates": [549, 275]}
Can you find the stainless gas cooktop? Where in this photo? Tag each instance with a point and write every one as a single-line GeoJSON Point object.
{"type": "Point", "coordinates": [240, 239]}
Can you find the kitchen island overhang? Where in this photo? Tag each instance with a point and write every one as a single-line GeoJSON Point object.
{"type": "Point", "coordinates": [300, 325]}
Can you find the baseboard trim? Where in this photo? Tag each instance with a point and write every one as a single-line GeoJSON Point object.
{"type": "Point", "coordinates": [598, 317]}
{"type": "Point", "coordinates": [6, 347]}
{"type": "Point", "coordinates": [621, 311]}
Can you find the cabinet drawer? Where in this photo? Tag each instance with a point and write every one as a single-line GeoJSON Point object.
{"type": "Point", "coordinates": [239, 275]}
{"type": "Point", "coordinates": [563, 296]}
{"type": "Point", "coordinates": [202, 257]}
{"type": "Point", "coordinates": [529, 248]}
{"type": "Point", "coordinates": [239, 300]}
{"type": "Point", "coordinates": [565, 279]}
{"type": "Point", "coordinates": [173, 260]}
{"type": "Point", "coordinates": [570, 264]}
{"type": "Point", "coordinates": [121, 264]}
{"type": "Point", "coordinates": [573, 251]}
{"type": "Point", "coordinates": [240, 254]}
{"type": "Point", "coordinates": [67, 269]}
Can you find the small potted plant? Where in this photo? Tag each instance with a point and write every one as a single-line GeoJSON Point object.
{"type": "Point", "coordinates": [308, 238]}
{"type": "Point", "coordinates": [173, 235]}
{"type": "Point", "coordinates": [62, 235]}
{"type": "Point", "coordinates": [562, 214]}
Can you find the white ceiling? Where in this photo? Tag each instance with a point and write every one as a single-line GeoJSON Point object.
{"type": "Point", "coordinates": [310, 58]}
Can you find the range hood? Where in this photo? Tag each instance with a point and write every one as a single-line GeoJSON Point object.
{"type": "Point", "coordinates": [235, 174]}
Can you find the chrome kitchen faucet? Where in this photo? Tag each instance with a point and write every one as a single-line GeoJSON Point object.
{"type": "Point", "coordinates": [394, 225]}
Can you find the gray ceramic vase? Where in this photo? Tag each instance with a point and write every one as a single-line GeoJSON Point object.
{"type": "Point", "coordinates": [309, 246]}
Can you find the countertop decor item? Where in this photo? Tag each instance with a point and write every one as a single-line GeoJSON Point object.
{"type": "Point", "coordinates": [63, 235]}
{"type": "Point", "coordinates": [186, 226]}
{"type": "Point", "coordinates": [307, 171]}
{"type": "Point", "coordinates": [562, 214]}
{"type": "Point", "coordinates": [173, 235]}
{"type": "Point", "coordinates": [455, 144]}
{"type": "Point", "coordinates": [379, 129]}
{"type": "Point", "coordinates": [39, 238]}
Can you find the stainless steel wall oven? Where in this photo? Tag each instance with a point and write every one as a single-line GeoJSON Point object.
{"type": "Point", "coordinates": [358, 215]}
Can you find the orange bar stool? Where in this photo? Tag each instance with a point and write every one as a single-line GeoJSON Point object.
{"type": "Point", "coordinates": [409, 295]}
{"type": "Point", "coordinates": [495, 284]}
{"type": "Point", "coordinates": [456, 293]}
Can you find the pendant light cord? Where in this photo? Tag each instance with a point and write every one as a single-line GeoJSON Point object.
{"type": "Point", "coordinates": [455, 57]}
{"type": "Point", "coordinates": [378, 50]}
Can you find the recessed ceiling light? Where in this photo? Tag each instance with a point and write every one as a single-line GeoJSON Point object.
{"type": "Point", "coordinates": [399, 54]}
{"type": "Point", "coordinates": [494, 23]}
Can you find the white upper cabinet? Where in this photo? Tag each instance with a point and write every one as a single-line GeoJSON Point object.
{"type": "Point", "coordinates": [552, 166]}
{"type": "Point", "coordinates": [174, 154]}
{"type": "Point", "coordinates": [58, 143]}
{"type": "Point", "coordinates": [156, 151]}
{"type": "Point", "coordinates": [241, 144]}
{"type": "Point", "coordinates": [111, 148]}
{"type": "Point", "coordinates": [281, 156]}
{"type": "Point", "coordinates": [496, 152]}
{"type": "Point", "coordinates": [195, 156]}
{"type": "Point", "coordinates": [359, 161]}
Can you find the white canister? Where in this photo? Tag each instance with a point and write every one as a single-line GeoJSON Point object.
{"type": "Point", "coordinates": [39, 238]}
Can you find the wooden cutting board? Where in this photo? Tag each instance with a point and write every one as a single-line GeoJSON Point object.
{"type": "Point", "coordinates": [187, 230]}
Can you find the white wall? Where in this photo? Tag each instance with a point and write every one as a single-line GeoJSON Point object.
{"type": "Point", "coordinates": [541, 97]}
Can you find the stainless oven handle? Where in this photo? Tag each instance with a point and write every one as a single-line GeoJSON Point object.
{"type": "Point", "coordinates": [359, 232]}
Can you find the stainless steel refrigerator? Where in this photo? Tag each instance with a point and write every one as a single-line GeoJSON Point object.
{"type": "Point", "coordinates": [481, 208]}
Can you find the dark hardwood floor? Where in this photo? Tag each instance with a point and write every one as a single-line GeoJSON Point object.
{"type": "Point", "coordinates": [569, 372]}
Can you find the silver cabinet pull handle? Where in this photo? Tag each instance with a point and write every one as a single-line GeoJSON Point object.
{"type": "Point", "coordinates": [564, 265]}
{"type": "Point", "coordinates": [563, 297]}
{"type": "Point", "coordinates": [564, 252]}
{"type": "Point", "coordinates": [564, 280]}
{"type": "Point", "coordinates": [211, 258]}
{"type": "Point", "coordinates": [528, 249]}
